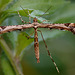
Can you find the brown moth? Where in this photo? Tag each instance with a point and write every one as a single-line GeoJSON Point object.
{"type": "Point", "coordinates": [36, 25]}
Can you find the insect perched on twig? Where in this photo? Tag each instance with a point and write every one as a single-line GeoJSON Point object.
{"type": "Point", "coordinates": [36, 25]}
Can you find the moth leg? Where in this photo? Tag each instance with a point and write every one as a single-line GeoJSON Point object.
{"type": "Point", "coordinates": [44, 21]}
{"type": "Point", "coordinates": [49, 52]}
{"type": "Point", "coordinates": [29, 17]}
{"type": "Point", "coordinates": [30, 35]}
{"type": "Point", "coordinates": [21, 17]}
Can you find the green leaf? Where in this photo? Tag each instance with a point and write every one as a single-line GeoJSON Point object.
{"type": "Point", "coordinates": [3, 4]}
{"type": "Point", "coordinates": [50, 34]}
{"type": "Point", "coordinates": [6, 66]}
{"type": "Point", "coordinates": [65, 14]}
{"type": "Point", "coordinates": [61, 11]}
{"type": "Point", "coordinates": [22, 43]}
{"type": "Point", "coordinates": [10, 56]}
{"type": "Point", "coordinates": [10, 39]}
{"type": "Point", "coordinates": [36, 5]}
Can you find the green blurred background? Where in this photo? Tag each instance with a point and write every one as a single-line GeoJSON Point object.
{"type": "Point", "coordinates": [15, 47]}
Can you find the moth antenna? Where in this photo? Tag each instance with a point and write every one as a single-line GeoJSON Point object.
{"type": "Point", "coordinates": [49, 52]}
{"type": "Point", "coordinates": [24, 10]}
{"type": "Point", "coordinates": [46, 11]}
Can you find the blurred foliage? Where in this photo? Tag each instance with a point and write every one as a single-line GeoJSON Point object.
{"type": "Point", "coordinates": [15, 47]}
{"type": "Point", "coordinates": [7, 68]}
